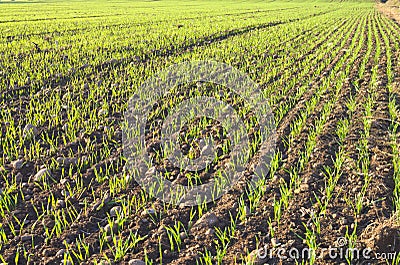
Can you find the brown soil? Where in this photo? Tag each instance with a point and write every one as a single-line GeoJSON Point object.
{"type": "Point", "coordinates": [391, 8]}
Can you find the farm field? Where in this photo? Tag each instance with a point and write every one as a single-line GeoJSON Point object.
{"type": "Point", "coordinates": [329, 71]}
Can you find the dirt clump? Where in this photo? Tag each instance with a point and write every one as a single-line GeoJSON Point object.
{"type": "Point", "coordinates": [383, 237]}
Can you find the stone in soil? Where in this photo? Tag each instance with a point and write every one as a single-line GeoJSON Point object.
{"type": "Point", "coordinates": [30, 131]}
{"type": "Point", "coordinates": [67, 161]}
{"type": "Point", "coordinates": [183, 235]}
{"type": "Point", "coordinates": [148, 212]}
{"type": "Point", "coordinates": [42, 175]}
{"type": "Point", "coordinates": [136, 262]}
{"type": "Point", "coordinates": [115, 211]}
{"type": "Point", "coordinates": [111, 228]}
{"type": "Point", "coordinates": [17, 164]}
{"type": "Point", "coordinates": [26, 238]}
{"type": "Point", "coordinates": [207, 220]}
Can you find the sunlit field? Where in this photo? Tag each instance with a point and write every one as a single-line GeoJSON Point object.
{"type": "Point", "coordinates": [329, 71]}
